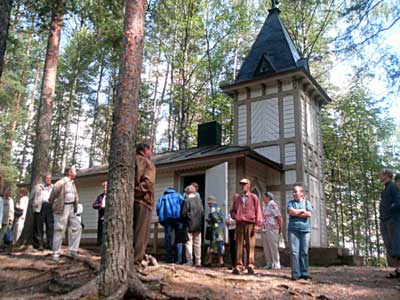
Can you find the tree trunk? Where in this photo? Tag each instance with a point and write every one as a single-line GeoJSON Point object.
{"type": "Point", "coordinates": [40, 161]}
{"type": "Point", "coordinates": [74, 152]}
{"type": "Point", "coordinates": [92, 151]}
{"type": "Point", "coordinates": [117, 265]}
{"type": "Point", "coordinates": [5, 13]}
{"type": "Point", "coordinates": [28, 127]}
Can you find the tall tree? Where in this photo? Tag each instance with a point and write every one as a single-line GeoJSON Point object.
{"type": "Point", "coordinates": [40, 162]}
{"type": "Point", "coordinates": [5, 13]}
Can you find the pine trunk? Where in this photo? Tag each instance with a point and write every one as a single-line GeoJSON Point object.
{"type": "Point", "coordinates": [5, 13]}
{"type": "Point", "coordinates": [117, 268]}
{"type": "Point", "coordinates": [40, 161]}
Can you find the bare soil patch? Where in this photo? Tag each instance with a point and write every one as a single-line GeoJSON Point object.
{"type": "Point", "coordinates": [33, 275]}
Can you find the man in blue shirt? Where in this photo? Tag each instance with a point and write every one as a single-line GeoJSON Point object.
{"type": "Point", "coordinates": [299, 233]}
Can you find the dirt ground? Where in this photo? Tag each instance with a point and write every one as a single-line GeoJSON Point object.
{"type": "Point", "coordinates": [33, 275]}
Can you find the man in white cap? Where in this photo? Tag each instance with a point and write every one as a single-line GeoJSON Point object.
{"type": "Point", "coordinates": [246, 211]}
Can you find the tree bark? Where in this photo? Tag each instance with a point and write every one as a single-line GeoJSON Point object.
{"type": "Point", "coordinates": [40, 162]}
{"type": "Point", "coordinates": [5, 13]}
{"type": "Point", "coordinates": [117, 265]}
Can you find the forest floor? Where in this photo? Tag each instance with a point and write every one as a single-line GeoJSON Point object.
{"type": "Point", "coordinates": [33, 275]}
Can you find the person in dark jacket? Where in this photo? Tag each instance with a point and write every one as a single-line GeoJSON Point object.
{"type": "Point", "coordinates": [169, 215]}
{"type": "Point", "coordinates": [100, 205]}
{"type": "Point", "coordinates": [389, 214]}
{"type": "Point", "coordinates": [192, 215]}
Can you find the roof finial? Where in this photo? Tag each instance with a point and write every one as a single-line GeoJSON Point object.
{"type": "Point", "coordinates": [274, 3]}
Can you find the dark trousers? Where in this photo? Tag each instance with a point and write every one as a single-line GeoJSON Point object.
{"type": "Point", "coordinates": [176, 227]}
{"type": "Point", "coordinates": [48, 220]}
{"type": "Point", "coordinates": [141, 230]}
{"type": "Point", "coordinates": [100, 223]}
{"type": "Point", "coordinates": [232, 246]}
{"type": "Point", "coordinates": [44, 218]}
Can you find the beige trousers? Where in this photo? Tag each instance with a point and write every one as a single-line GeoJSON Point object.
{"type": "Point", "coordinates": [69, 220]}
{"type": "Point", "coordinates": [193, 245]}
{"type": "Point", "coordinates": [270, 241]}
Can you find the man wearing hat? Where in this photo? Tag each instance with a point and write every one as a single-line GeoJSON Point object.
{"type": "Point", "coordinates": [246, 211]}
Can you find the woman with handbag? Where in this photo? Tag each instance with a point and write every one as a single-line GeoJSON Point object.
{"type": "Point", "coordinates": [216, 224]}
{"type": "Point", "coordinates": [271, 230]}
{"type": "Point", "coordinates": [21, 208]}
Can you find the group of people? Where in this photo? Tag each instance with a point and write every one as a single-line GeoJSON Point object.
{"type": "Point", "coordinates": [182, 216]}
{"type": "Point", "coordinates": [55, 210]}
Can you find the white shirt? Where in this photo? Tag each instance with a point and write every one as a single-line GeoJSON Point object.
{"type": "Point", "coordinates": [23, 204]}
{"type": "Point", "coordinates": [69, 192]}
{"type": "Point", "coordinates": [46, 193]}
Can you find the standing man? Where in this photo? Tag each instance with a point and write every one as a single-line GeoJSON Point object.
{"type": "Point", "coordinates": [169, 215]}
{"type": "Point", "coordinates": [299, 233]}
{"type": "Point", "coordinates": [389, 214]}
{"type": "Point", "coordinates": [21, 207]}
{"type": "Point", "coordinates": [8, 213]}
{"type": "Point", "coordinates": [100, 205]}
{"type": "Point", "coordinates": [145, 177]}
{"type": "Point", "coordinates": [246, 211]}
{"type": "Point", "coordinates": [64, 200]}
{"type": "Point", "coordinates": [42, 214]}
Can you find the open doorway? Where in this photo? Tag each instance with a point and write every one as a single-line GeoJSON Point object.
{"type": "Point", "coordinates": [200, 179]}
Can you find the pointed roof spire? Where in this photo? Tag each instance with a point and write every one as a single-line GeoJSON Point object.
{"type": "Point", "coordinates": [273, 51]}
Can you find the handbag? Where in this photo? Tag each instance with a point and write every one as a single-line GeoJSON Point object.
{"type": "Point", "coordinates": [208, 233]}
{"type": "Point", "coordinates": [18, 212]}
{"type": "Point", "coordinates": [8, 237]}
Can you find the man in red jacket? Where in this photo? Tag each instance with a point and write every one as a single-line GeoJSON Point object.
{"type": "Point", "coordinates": [246, 211]}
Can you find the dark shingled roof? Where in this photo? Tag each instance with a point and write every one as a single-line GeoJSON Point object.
{"type": "Point", "coordinates": [272, 52]}
{"type": "Point", "coordinates": [192, 154]}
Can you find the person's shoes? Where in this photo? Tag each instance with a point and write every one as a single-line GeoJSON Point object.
{"type": "Point", "coordinates": [198, 266]}
{"type": "Point", "coordinates": [56, 258]}
{"type": "Point", "coordinates": [236, 271]}
{"type": "Point", "coordinates": [276, 267]}
{"type": "Point", "coordinates": [295, 278]}
{"type": "Point", "coordinates": [267, 267]}
{"type": "Point", "coordinates": [221, 265]}
{"type": "Point", "coordinates": [250, 270]}
{"type": "Point", "coordinates": [188, 264]}
{"type": "Point", "coordinates": [306, 277]}
{"type": "Point", "coordinates": [72, 254]}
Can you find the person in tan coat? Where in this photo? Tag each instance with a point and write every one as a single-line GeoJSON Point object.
{"type": "Point", "coordinates": [64, 201]}
{"type": "Point", "coordinates": [145, 177]}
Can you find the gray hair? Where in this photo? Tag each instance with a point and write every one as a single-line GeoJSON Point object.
{"type": "Point", "coordinates": [269, 195]}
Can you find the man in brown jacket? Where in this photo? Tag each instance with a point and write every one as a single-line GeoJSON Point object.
{"type": "Point", "coordinates": [246, 211]}
{"type": "Point", "coordinates": [64, 201]}
{"type": "Point", "coordinates": [145, 177]}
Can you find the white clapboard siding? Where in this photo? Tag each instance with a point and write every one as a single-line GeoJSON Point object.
{"type": "Point", "coordinates": [290, 153]}
{"type": "Point", "coordinates": [315, 197]}
{"type": "Point", "coordinates": [87, 195]}
{"type": "Point", "coordinates": [271, 89]}
{"type": "Point", "coordinates": [303, 117]}
{"type": "Point", "coordinates": [290, 177]}
{"type": "Point", "coordinates": [242, 125]}
{"type": "Point", "coordinates": [264, 121]}
{"type": "Point", "coordinates": [256, 92]}
{"type": "Point", "coordinates": [270, 152]}
{"type": "Point", "coordinates": [232, 182]}
{"type": "Point", "coordinates": [242, 95]}
{"type": "Point", "coordinates": [288, 117]}
{"type": "Point", "coordinates": [287, 85]}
